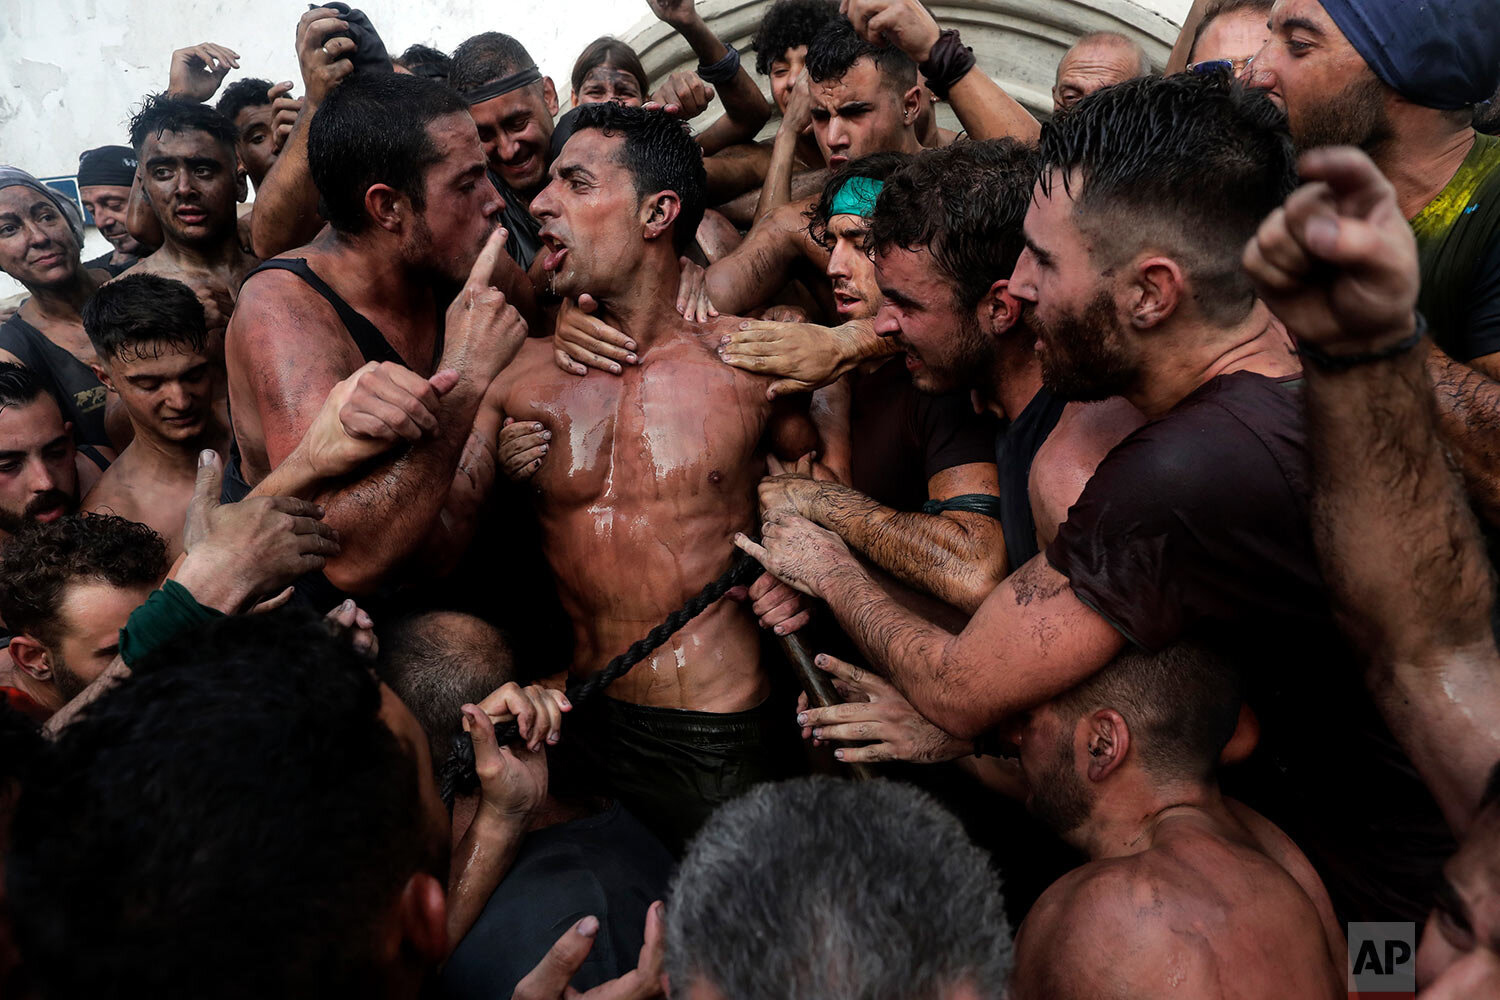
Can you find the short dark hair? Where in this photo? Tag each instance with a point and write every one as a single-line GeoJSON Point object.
{"type": "Point", "coordinates": [1190, 164]}
{"type": "Point", "coordinates": [424, 60]}
{"type": "Point", "coordinates": [660, 154]}
{"type": "Point", "coordinates": [136, 314]}
{"type": "Point", "coordinates": [18, 385]}
{"type": "Point", "coordinates": [372, 129]}
{"type": "Point", "coordinates": [436, 661]}
{"type": "Point", "coordinates": [1218, 8]}
{"type": "Point", "coordinates": [42, 560]}
{"type": "Point", "coordinates": [964, 203]}
{"type": "Point", "coordinates": [820, 887]}
{"type": "Point", "coordinates": [1182, 705]}
{"type": "Point", "coordinates": [163, 113]}
{"type": "Point", "coordinates": [609, 51]}
{"type": "Point", "coordinates": [241, 94]}
{"type": "Point", "coordinates": [876, 166]}
{"type": "Point", "coordinates": [836, 47]}
{"type": "Point", "coordinates": [237, 803]}
{"type": "Point", "coordinates": [486, 57]}
{"type": "Point", "coordinates": [786, 25]}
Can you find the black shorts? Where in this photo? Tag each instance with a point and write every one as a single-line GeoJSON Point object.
{"type": "Point", "coordinates": [673, 767]}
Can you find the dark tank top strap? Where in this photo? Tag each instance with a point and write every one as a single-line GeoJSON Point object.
{"type": "Point", "coordinates": [367, 337]}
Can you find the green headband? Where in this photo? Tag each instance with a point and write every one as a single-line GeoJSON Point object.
{"type": "Point", "coordinates": [856, 197]}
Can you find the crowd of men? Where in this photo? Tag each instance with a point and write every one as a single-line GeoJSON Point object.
{"type": "Point", "coordinates": [609, 555]}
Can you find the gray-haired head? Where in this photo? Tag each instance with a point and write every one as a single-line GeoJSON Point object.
{"type": "Point", "coordinates": [818, 888]}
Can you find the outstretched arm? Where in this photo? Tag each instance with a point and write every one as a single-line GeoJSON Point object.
{"type": "Point", "coordinates": [1338, 264]}
{"type": "Point", "coordinates": [745, 108]}
{"type": "Point", "coordinates": [750, 275]}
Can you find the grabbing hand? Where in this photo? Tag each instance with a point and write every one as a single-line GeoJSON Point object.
{"type": "Point", "coordinates": [523, 445]}
{"type": "Point", "coordinates": [674, 12]}
{"type": "Point", "coordinates": [479, 321]}
{"type": "Point", "coordinates": [1338, 262]}
{"type": "Point", "coordinates": [198, 70]}
{"type": "Point", "coordinates": [537, 709]}
{"type": "Point", "coordinates": [238, 551]}
{"type": "Point", "coordinates": [778, 607]}
{"type": "Point", "coordinates": [906, 24]}
{"type": "Point", "coordinates": [284, 111]}
{"type": "Point", "coordinates": [800, 356]}
{"type": "Point", "coordinates": [379, 406]}
{"type": "Point", "coordinates": [580, 339]}
{"type": "Point", "coordinates": [358, 625]}
{"type": "Point", "coordinates": [512, 782]}
{"type": "Point", "coordinates": [324, 60]}
{"type": "Point", "coordinates": [876, 714]}
{"type": "Point", "coordinates": [549, 980]}
{"type": "Point", "coordinates": [682, 95]}
{"type": "Point", "coordinates": [692, 292]}
{"type": "Point", "coordinates": [797, 118]}
{"type": "Point", "coordinates": [800, 553]}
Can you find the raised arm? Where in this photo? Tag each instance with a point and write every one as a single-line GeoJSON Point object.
{"type": "Point", "coordinates": [1338, 265]}
{"type": "Point", "coordinates": [745, 108]}
{"type": "Point", "coordinates": [756, 270]}
{"type": "Point", "coordinates": [777, 189]}
{"type": "Point", "coordinates": [983, 107]}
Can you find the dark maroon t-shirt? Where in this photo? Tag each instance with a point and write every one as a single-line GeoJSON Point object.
{"type": "Point", "coordinates": [1196, 526]}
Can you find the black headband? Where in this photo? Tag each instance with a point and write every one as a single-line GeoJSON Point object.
{"type": "Point", "coordinates": [520, 78]}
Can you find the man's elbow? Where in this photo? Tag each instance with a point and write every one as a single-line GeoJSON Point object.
{"type": "Point", "coordinates": [975, 587]}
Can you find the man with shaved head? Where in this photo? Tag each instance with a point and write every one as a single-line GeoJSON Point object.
{"type": "Point", "coordinates": [1098, 60]}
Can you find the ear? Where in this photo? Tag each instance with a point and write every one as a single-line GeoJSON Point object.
{"type": "Point", "coordinates": [424, 918]}
{"type": "Point", "coordinates": [658, 212]}
{"type": "Point", "coordinates": [998, 310]}
{"type": "Point", "coordinates": [911, 103]}
{"type": "Point", "coordinates": [102, 374]}
{"type": "Point", "coordinates": [574, 98]}
{"type": "Point", "coordinates": [387, 206]}
{"type": "Point", "coordinates": [549, 96]}
{"type": "Point", "coordinates": [32, 657]}
{"type": "Point", "coordinates": [1107, 740]}
{"type": "Point", "coordinates": [1157, 292]}
{"type": "Point", "coordinates": [241, 182]}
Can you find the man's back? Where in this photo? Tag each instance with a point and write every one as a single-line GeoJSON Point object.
{"type": "Point", "coordinates": [650, 475]}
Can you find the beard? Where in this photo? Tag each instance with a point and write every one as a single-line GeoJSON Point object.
{"type": "Point", "coordinates": [966, 364]}
{"type": "Point", "coordinates": [1082, 360]}
{"type": "Point", "coordinates": [1059, 797]}
{"type": "Point", "coordinates": [69, 685]}
{"type": "Point", "coordinates": [12, 522]}
{"type": "Point", "coordinates": [1355, 116]}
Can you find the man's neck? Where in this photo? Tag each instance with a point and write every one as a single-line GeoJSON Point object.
{"type": "Point", "coordinates": [645, 307]}
{"type": "Point", "coordinates": [62, 303]}
{"type": "Point", "coordinates": [371, 273]}
{"type": "Point", "coordinates": [209, 255]}
{"type": "Point", "coordinates": [154, 452]}
{"type": "Point", "coordinates": [1198, 352]}
{"type": "Point", "coordinates": [1422, 156]}
{"type": "Point", "coordinates": [1126, 818]}
{"type": "Point", "coordinates": [1015, 375]}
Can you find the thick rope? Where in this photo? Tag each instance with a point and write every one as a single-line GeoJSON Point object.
{"type": "Point", "coordinates": [458, 775]}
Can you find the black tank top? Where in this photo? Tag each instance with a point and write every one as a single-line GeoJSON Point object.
{"type": "Point", "coordinates": [373, 346]}
{"type": "Point", "coordinates": [1015, 447]}
{"type": "Point", "coordinates": [79, 392]}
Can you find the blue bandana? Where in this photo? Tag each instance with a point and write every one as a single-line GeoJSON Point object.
{"type": "Point", "coordinates": [856, 197]}
{"type": "Point", "coordinates": [1437, 53]}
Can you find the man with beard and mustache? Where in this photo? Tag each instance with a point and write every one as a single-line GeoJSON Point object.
{"type": "Point", "coordinates": [1401, 82]}
{"type": "Point", "coordinates": [1196, 523]}
{"type": "Point", "coordinates": [1122, 768]}
{"type": "Point", "coordinates": [41, 470]}
{"type": "Point", "coordinates": [399, 167]}
{"type": "Point", "coordinates": [105, 176]}
{"type": "Point", "coordinates": [190, 176]}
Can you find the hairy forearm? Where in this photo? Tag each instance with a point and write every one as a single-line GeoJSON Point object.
{"type": "Point", "coordinates": [1417, 605]}
{"type": "Point", "coordinates": [286, 202]}
{"type": "Point", "coordinates": [1468, 406]}
{"type": "Point", "coordinates": [932, 552]}
{"type": "Point", "coordinates": [988, 112]}
{"type": "Point", "coordinates": [751, 274]}
{"type": "Point", "coordinates": [480, 861]}
{"type": "Point", "coordinates": [777, 189]}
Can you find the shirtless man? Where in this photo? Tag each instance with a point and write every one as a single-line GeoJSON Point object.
{"type": "Point", "coordinates": [153, 352]}
{"type": "Point", "coordinates": [1187, 892]}
{"type": "Point", "coordinates": [650, 475]}
{"type": "Point", "coordinates": [190, 176]}
{"type": "Point", "coordinates": [407, 223]}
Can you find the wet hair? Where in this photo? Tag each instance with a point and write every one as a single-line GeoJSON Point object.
{"type": "Point", "coordinates": [819, 887]}
{"type": "Point", "coordinates": [786, 25]}
{"type": "Point", "coordinates": [486, 57]}
{"type": "Point", "coordinates": [876, 166]}
{"type": "Point", "coordinates": [1188, 165]}
{"type": "Point", "coordinates": [372, 129]}
{"type": "Point", "coordinates": [965, 203]}
{"type": "Point", "coordinates": [1181, 704]}
{"type": "Point", "coordinates": [660, 155]}
{"type": "Point", "coordinates": [242, 94]}
{"type": "Point", "coordinates": [1218, 8]}
{"type": "Point", "coordinates": [162, 113]}
{"type": "Point", "coordinates": [18, 385]}
{"type": "Point", "coordinates": [437, 661]}
{"type": "Point", "coordinates": [1143, 62]}
{"type": "Point", "coordinates": [609, 51]}
{"type": "Point", "coordinates": [836, 48]}
{"type": "Point", "coordinates": [424, 60]}
{"type": "Point", "coordinates": [139, 313]}
{"type": "Point", "coordinates": [233, 820]}
{"type": "Point", "coordinates": [41, 561]}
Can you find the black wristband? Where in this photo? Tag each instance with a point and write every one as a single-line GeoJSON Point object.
{"type": "Point", "coordinates": [1324, 361]}
{"type": "Point", "coordinates": [948, 62]}
{"type": "Point", "coordinates": [724, 70]}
